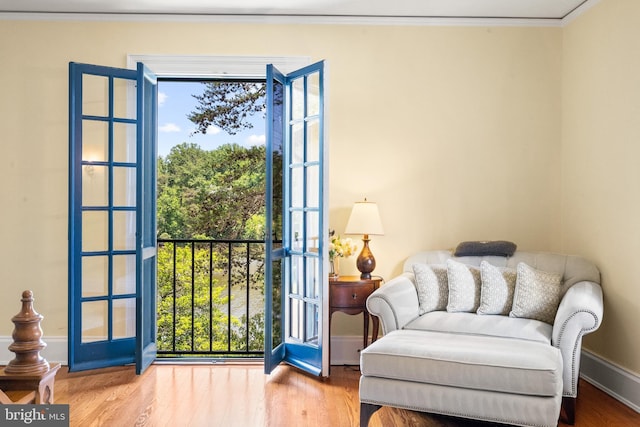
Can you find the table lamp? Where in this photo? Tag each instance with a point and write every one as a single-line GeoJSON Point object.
{"type": "Point", "coordinates": [365, 219]}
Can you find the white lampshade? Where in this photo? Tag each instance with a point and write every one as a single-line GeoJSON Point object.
{"type": "Point", "coordinates": [364, 219]}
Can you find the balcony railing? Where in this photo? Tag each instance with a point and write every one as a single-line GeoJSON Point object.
{"type": "Point", "coordinates": [210, 298]}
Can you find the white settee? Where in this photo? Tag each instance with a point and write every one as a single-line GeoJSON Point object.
{"type": "Point", "coordinates": [458, 361]}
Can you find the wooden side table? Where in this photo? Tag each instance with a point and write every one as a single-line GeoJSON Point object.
{"type": "Point", "coordinates": [38, 386]}
{"type": "Point", "coordinates": [349, 294]}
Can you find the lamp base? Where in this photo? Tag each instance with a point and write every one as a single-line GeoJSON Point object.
{"type": "Point", "coordinates": [366, 263]}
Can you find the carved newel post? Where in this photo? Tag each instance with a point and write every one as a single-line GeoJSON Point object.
{"type": "Point", "coordinates": [27, 342]}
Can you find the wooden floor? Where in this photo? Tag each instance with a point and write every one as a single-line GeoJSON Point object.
{"type": "Point", "coordinates": [241, 395]}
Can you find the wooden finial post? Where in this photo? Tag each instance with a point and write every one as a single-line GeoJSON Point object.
{"type": "Point", "coordinates": [27, 342]}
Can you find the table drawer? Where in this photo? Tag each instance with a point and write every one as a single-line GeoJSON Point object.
{"type": "Point", "coordinates": [350, 295]}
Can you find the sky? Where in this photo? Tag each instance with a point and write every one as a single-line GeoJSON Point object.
{"type": "Point", "coordinates": [175, 102]}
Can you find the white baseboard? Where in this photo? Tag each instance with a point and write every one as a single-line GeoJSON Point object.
{"type": "Point", "coordinates": [612, 379]}
{"type": "Point", "coordinates": [55, 352]}
{"type": "Point", "coordinates": [345, 350]}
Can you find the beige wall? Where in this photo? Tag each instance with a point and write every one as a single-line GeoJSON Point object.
{"type": "Point", "coordinates": [601, 153]}
{"type": "Point", "coordinates": [455, 132]}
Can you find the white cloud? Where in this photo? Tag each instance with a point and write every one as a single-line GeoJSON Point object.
{"type": "Point", "coordinates": [256, 139]}
{"type": "Point", "coordinates": [169, 127]}
{"type": "Point", "coordinates": [213, 130]}
{"type": "Point", "coordinates": [162, 97]}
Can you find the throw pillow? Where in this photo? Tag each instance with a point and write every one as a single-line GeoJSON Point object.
{"type": "Point", "coordinates": [464, 287]}
{"type": "Point", "coordinates": [431, 284]}
{"type": "Point", "coordinates": [496, 293]}
{"type": "Point", "coordinates": [485, 248]}
{"type": "Point", "coordinates": [537, 294]}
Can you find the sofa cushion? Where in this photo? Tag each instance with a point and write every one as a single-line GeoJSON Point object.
{"type": "Point", "coordinates": [496, 293]}
{"type": "Point", "coordinates": [489, 325]}
{"type": "Point", "coordinates": [432, 287]}
{"type": "Point", "coordinates": [537, 294]}
{"type": "Point", "coordinates": [482, 363]}
{"type": "Point", "coordinates": [464, 287]}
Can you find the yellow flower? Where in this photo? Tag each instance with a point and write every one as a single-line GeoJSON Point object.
{"type": "Point", "coordinates": [339, 247]}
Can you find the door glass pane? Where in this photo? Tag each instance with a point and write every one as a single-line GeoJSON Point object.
{"type": "Point", "coordinates": [311, 325]}
{"type": "Point", "coordinates": [95, 141]}
{"type": "Point", "coordinates": [95, 185]}
{"type": "Point", "coordinates": [124, 230]}
{"type": "Point", "coordinates": [313, 94]}
{"type": "Point", "coordinates": [124, 142]}
{"type": "Point", "coordinates": [296, 231]}
{"type": "Point", "coordinates": [313, 186]}
{"type": "Point", "coordinates": [313, 140]}
{"type": "Point", "coordinates": [297, 274]}
{"type": "Point", "coordinates": [297, 187]}
{"type": "Point", "coordinates": [124, 98]}
{"type": "Point", "coordinates": [124, 186]}
{"type": "Point", "coordinates": [313, 231]}
{"type": "Point", "coordinates": [124, 318]}
{"type": "Point", "coordinates": [95, 95]}
{"type": "Point", "coordinates": [313, 278]}
{"type": "Point", "coordinates": [95, 275]}
{"type": "Point", "coordinates": [95, 228]}
{"type": "Point", "coordinates": [95, 321]}
{"type": "Point", "coordinates": [297, 99]}
{"type": "Point", "coordinates": [297, 319]}
{"type": "Point", "coordinates": [124, 274]}
{"type": "Point", "coordinates": [297, 143]}
{"type": "Point", "coordinates": [277, 303]}
{"type": "Point", "coordinates": [277, 201]}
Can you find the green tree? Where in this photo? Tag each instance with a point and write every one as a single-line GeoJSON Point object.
{"type": "Point", "coordinates": [227, 105]}
{"type": "Point", "coordinates": [235, 194]}
{"type": "Point", "coordinates": [218, 194]}
{"type": "Point", "coordinates": [171, 218]}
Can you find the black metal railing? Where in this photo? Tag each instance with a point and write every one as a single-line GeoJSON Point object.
{"type": "Point", "coordinates": [210, 298]}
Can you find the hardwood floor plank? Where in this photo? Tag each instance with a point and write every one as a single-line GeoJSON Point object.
{"type": "Point", "coordinates": [230, 395]}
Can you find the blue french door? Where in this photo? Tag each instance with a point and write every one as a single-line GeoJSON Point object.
{"type": "Point", "coordinates": [296, 284]}
{"type": "Point", "coordinates": [112, 228]}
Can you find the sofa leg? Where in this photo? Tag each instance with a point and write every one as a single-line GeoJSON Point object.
{"type": "Point", "coordinates": [569, 409]}
{"type": "Point", "coordinates": [366, 410]}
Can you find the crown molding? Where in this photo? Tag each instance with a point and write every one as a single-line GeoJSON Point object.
{"type": "Point", "coordinates": [288, 19]}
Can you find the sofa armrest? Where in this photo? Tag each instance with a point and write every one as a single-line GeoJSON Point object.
{"type": "Point", "coordinates": [579, 313]}
{"type": "Point", "coordinates": [395, 303]}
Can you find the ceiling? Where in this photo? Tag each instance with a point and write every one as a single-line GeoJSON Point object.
{"type": "Point", "coordinates": [517, 9]}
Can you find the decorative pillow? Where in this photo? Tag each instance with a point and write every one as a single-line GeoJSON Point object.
{"type": "Point", "coordinates": [537, 294]}
{"type": "Point", "coordinates": [464, 287]}
{"type": "Point", "coordinates": [432, 287]}
{"type": "Point", "coordinates": [495, 248]}
{"type": "Point", "coordinates": [496, 294]}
